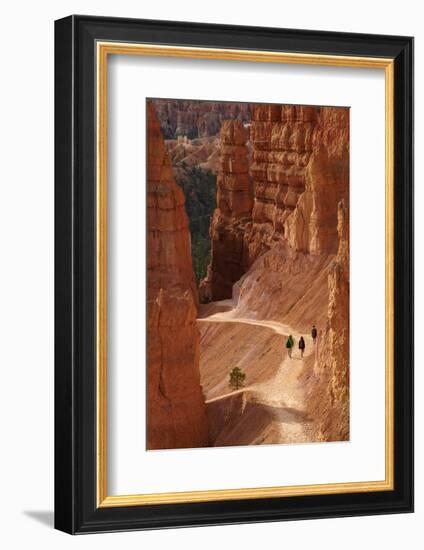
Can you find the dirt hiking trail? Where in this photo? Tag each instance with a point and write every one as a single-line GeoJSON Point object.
{"type": "Point", "coordinates": [281, 398]}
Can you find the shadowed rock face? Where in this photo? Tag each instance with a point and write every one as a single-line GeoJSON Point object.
{"type": "Point", "coordinates": [175, 405]}
{"type": "Point", "coordinates": [234, 211]}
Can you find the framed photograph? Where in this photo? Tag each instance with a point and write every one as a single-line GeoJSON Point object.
{"type": "Point", "coordinates": [234, 274]}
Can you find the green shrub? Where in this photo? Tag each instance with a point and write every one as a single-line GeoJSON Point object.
{"type": "Point", "coordinates": [237, 378]}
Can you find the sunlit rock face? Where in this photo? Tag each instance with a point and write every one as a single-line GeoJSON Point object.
{"type": "Point", "coordinates": [175, 405]}
{"type": "Point", "coordinates": [300, 172]}
{"type": "Point", "coordinates": [281, 139]}
{"type": "Point", "coordinates": [281, 183]}
{"type": "Point", "coordinates": [313, 225]}
{"type": "Point", "coordinates": [332, 366]}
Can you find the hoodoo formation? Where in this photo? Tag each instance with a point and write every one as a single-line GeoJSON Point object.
{"type": "Point", "coordinates": [176, 415]}
{"type": "Point", "coordinates": [233, 213]}
{"type": "Point", "coordinates": [333, 360]}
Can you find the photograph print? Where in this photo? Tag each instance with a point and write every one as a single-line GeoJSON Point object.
{"type": "Point", "coordinates": [247, 274]}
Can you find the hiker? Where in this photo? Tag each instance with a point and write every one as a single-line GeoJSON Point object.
{"type": "Point", "coordinates": [302, 346]}
{"type": "Point", "coordinates": [314, 333]}
{"type": "Point", "coordinates": [290, 345]}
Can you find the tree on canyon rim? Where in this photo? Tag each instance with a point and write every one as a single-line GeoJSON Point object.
{"type": "Point", "coordinates": [237, 378]}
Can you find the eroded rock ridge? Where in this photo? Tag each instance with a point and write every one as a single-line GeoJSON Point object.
{"type": "Point", "coordinates": [176, 414]}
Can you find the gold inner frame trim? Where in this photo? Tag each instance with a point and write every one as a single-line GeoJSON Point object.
{"type": "Point", "coordinates": [103, 50]}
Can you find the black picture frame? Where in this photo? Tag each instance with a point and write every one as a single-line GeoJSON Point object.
{"type": "Point", "coordinates": [75, 275]}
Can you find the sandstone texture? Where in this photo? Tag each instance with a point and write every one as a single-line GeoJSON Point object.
{"type": "Point", "coordinates": [176, 414]}
{"type": "Point", "coordinates": [234, 209]}
{"type": "Point", "coordinates": [332, 365]}
{"type": "Point", "coordinates": [197, 119]}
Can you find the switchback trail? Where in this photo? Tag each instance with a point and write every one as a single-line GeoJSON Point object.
{"type": "Point", "coordinates": [283, 394]}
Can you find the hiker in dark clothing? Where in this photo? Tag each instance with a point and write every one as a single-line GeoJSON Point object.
{"type": "Point", "coordinates": [290, 345]}
{"type": "Point", "coordinates": [302, 346]}
{"type": "Point", "coordinates": [314, 333]}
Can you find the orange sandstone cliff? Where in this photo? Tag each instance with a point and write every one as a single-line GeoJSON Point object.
{"type": "Point", "coordinates": [176, 414]}
{"type": "Point", "coordinates": [329, 389]}
{"type": "Point", "coordinates": [197, 119]}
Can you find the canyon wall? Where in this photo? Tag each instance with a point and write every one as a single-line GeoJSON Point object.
{"type": "Point", "coordinates": [329, 388]}
{"type": "Point", "coordinates": [176, 414]}
{"type": "Point", "coordinates": [313, 225]}
{"type": "Point", "coordinates": [197, 119]}
{"type": "Point", "coordinates": [298, 173]}
{"type": "Point", "coordinates": [281, 138]}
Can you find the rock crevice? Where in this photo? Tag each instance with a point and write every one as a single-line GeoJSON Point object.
{"type": "Point", "coordinates": [229, 258]}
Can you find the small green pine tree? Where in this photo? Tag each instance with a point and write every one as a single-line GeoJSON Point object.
{"type": "Point", "coordinates": [237, 377]}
